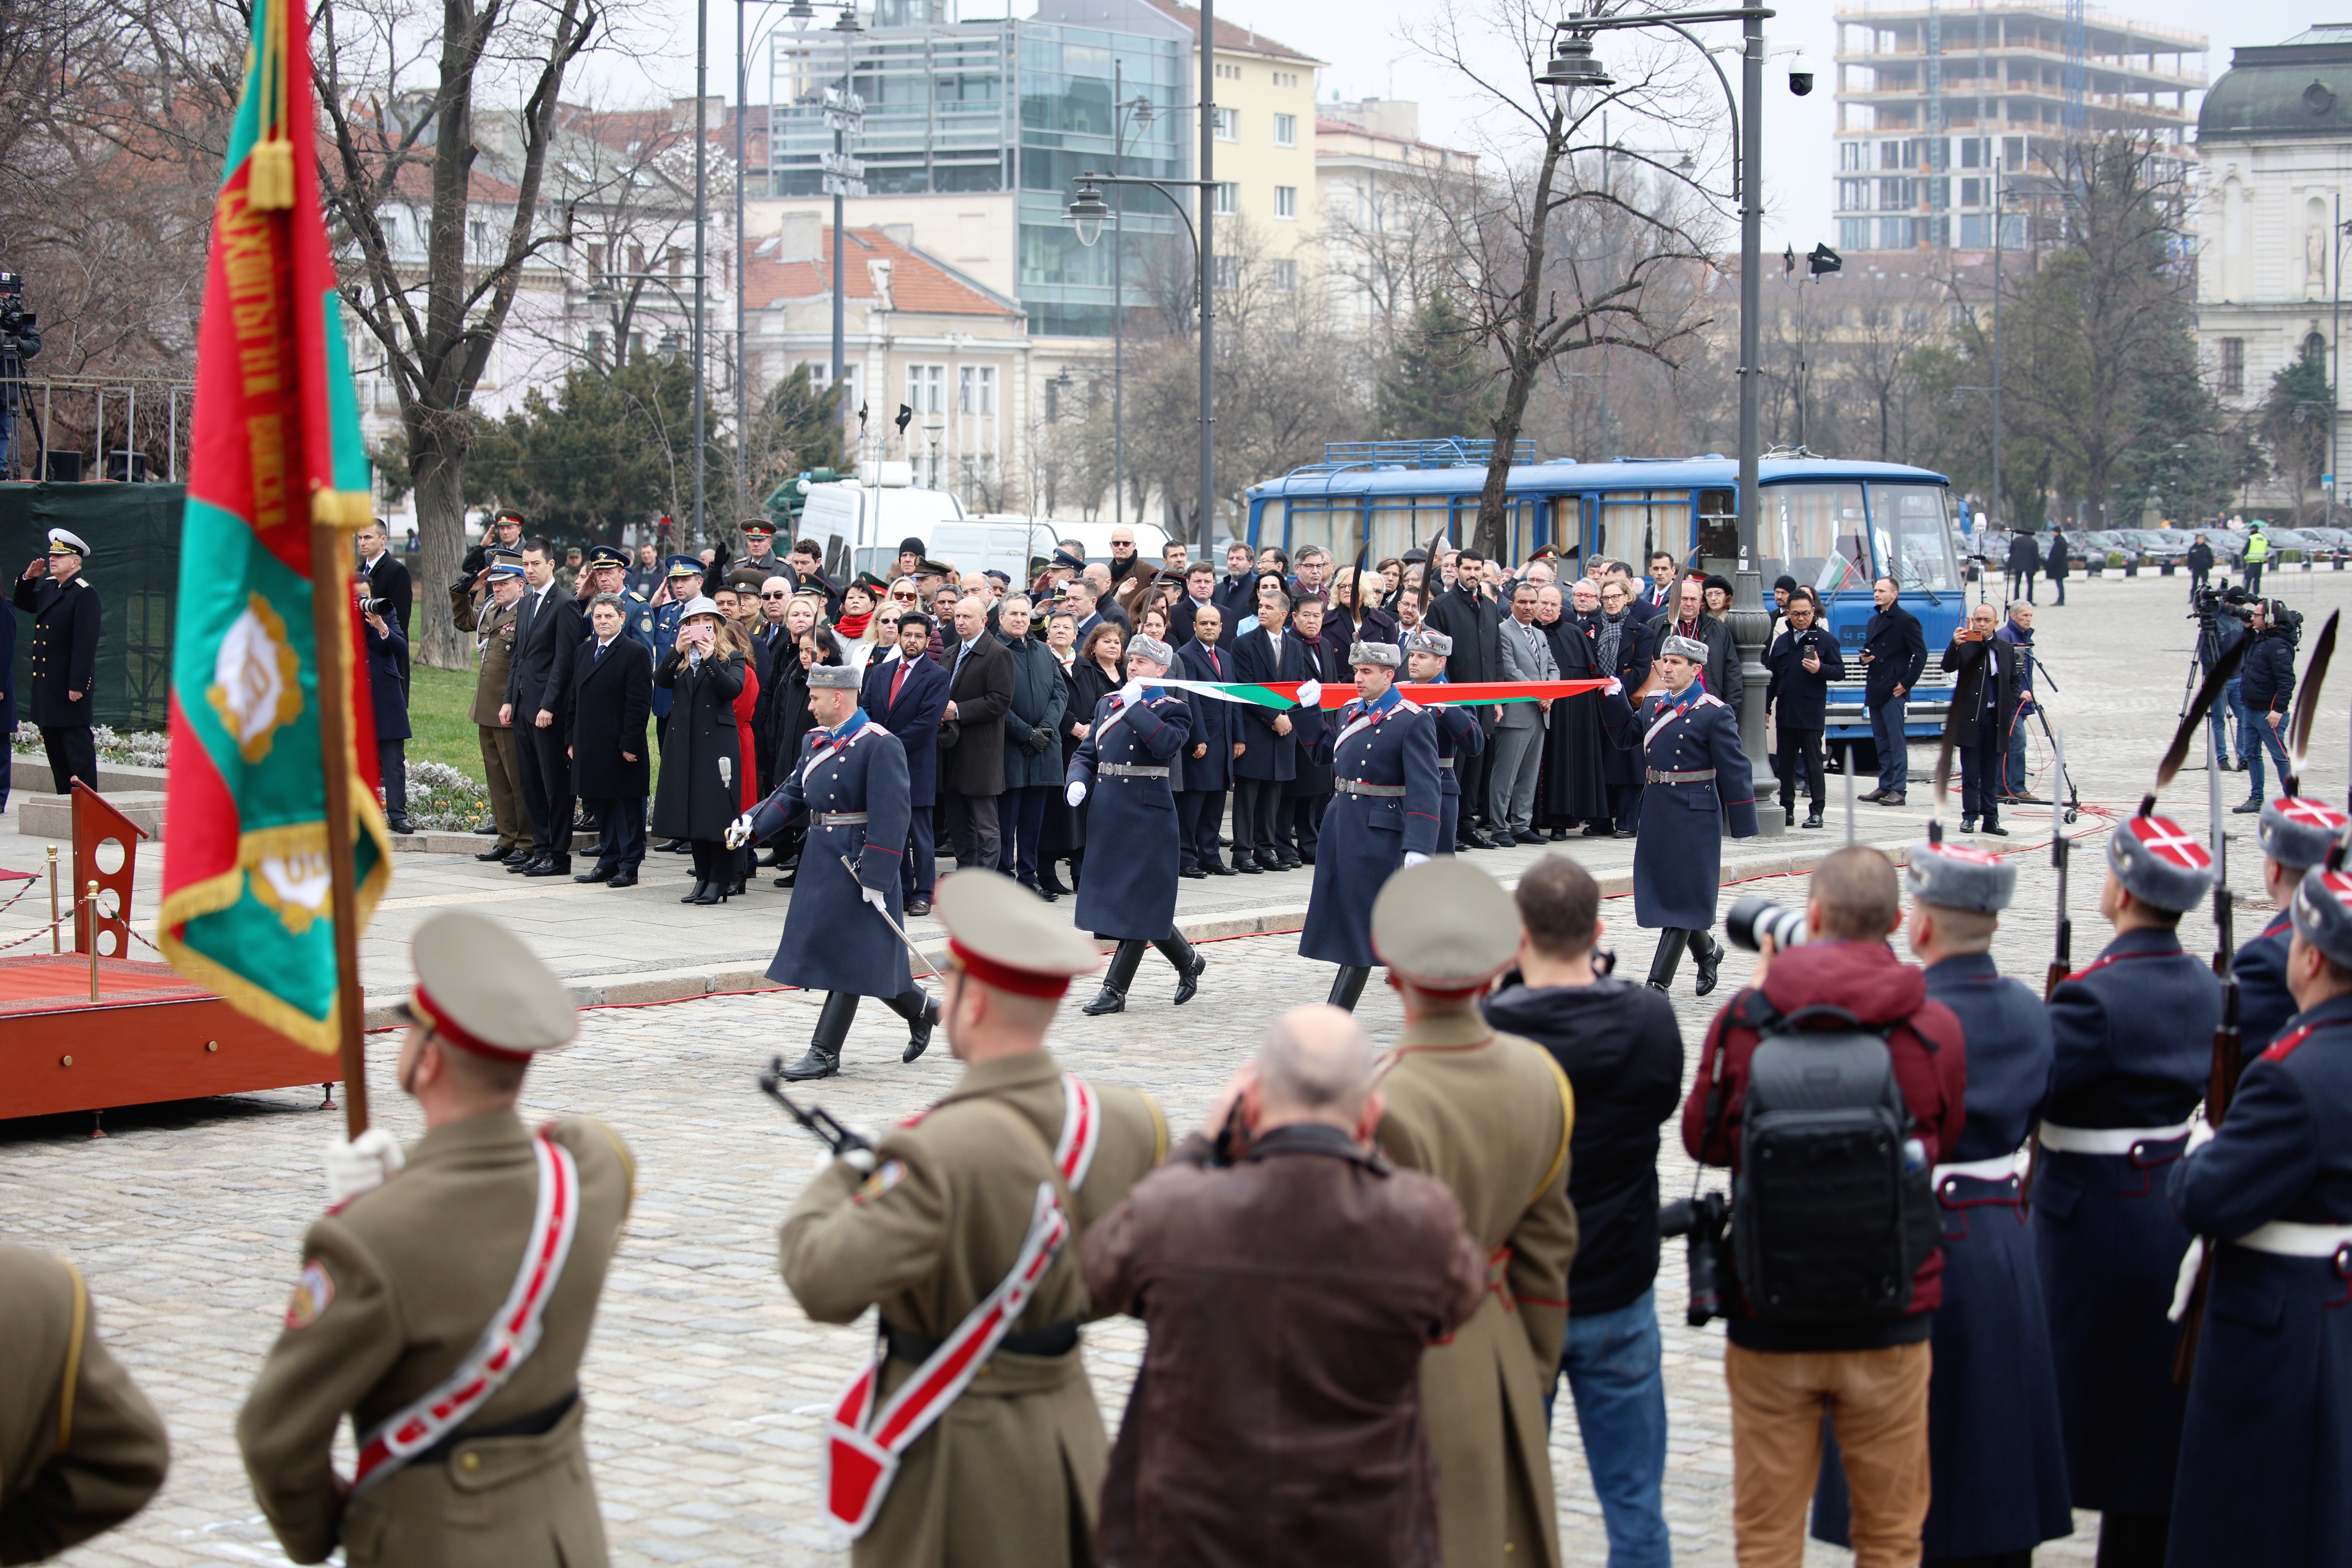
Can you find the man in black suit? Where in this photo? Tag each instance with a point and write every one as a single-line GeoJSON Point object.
{"type": "Point", "coordinates": [1269, 757]}
{"type": "Point", "coordinates": [1236, 591]}
{"type": "Point", "coordinates": [612, 700]}
{"type": "Point", "coordinates": [1473, 622]}
{"type": "Point", "coordinates": [388, 580]}
{"type": "Point", "coordinates": [1894, 652]}
{"type": "Point", "coordinates": [971, 734]}
{"type": "Point", "coordinates": [1200, 594]}
{"type": "Point", "coordinates": [906, 694]}
{"type": "Point", "coordinates": [64, 612]}
{"type": "Point", "coordinates": [549, 626]}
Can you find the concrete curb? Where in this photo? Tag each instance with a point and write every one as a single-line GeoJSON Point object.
{"type": "Point", "coordinates": [688, 984]}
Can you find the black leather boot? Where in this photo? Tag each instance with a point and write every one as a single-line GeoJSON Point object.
{"type": "Point", "coordinates": [921, 1014]}
{"type": "Point", "coordinates": [1668, 958]}
{"type": "Point", "coordinates": [1123, 966]}
{"type": "Point", "coordinates": [1707, 953]}
{"type": "Point", "coordinates": [823, 1056]}
{"type": "Point", "coordinates": [1348, 987]}
{"type": "Point", "coordinates": [1188, 962]}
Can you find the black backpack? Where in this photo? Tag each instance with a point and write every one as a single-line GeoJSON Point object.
{"type": "Point", "coordinates": [1830, 1222]}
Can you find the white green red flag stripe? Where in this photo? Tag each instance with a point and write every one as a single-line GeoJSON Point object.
{"type": "Point", "coordinates": [275, 446]}
{"type": "Point", "coordinates": [1296, 693]}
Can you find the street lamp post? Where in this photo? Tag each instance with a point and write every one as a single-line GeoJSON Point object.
{"type": "Point", "coordinates": [847, 27]}
{"type": "Point", "coordinates": [801, 13]}
{"type": "Point", "coordinates": [1573, 66]}
{"type": "Point", "coordinates": [701, 222]}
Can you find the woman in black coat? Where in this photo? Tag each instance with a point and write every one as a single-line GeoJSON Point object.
{"type": "Point", "coordinates": [1622, 647]}
{"type": "Point", "coordinates": [1057, 840]}
{"type": "Point", "coordinates": [612, 765]}
{"type": "Point", "coordinates": [1308, 792]}
{"type": "Point", "coordinates": [1100, 670]}
{"type": "Point", "coordinates": [701, 781]}
{"type": "Point", "coordinates": [790, 724]}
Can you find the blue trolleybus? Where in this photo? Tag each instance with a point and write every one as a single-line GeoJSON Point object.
{"type": "Point", "coordinates": [1836, 525]}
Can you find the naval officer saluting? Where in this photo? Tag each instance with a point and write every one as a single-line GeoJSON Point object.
{"type": "Point", "coordinates": [1383, 816]}
{"type": "Point", "coordinates": [445, 1297]}
{"type": "Point", "coordinates": [850, 779]}
{"type": "Point", "coordinates": [1129, 891]}
{"type": "Point", "coordinates": [1697, 775]}
{"type": "Point", "coordinates": [64, 609]}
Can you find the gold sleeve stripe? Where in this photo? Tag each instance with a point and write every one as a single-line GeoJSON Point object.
{"type": "Point", "coordinates": [1566, 1126]}
{"type": "Point", "coordinates": [73, 1357]}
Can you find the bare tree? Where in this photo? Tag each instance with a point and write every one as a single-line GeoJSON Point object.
{"type": "Point", "coordinates": [1553, 251]}
{"type": "Point", "coordinates": [436, 324]}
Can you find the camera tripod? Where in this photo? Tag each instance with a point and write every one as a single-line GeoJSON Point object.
{"type": "Point", "coordinates": [2064, 782]}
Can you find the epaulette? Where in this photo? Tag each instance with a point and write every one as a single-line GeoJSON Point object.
{"type": "Point", "coordinates": [1706, 698]}
{"type": "Point", "coordinates": [1407, 705]}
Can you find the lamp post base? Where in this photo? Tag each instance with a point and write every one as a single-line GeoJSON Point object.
{"type": "Point", "coordinates": [1752, 624]}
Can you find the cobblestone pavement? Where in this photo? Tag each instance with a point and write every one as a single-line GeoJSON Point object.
{"type": "Point", "coordinates": [702, 1374]}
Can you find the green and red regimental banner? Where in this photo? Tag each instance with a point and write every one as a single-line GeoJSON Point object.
{"type": "Point", "coordinates": [275, 445]}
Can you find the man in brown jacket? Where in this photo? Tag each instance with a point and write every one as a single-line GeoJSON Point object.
{"type": "Point", "coordinates": [1489, 1114]}
{"type": "Point", "coordinates": [80, 1448]}
{"type": "Point", "coordinates": [492, 619]}
{"type": "Point", "coordinates": [962, 1228]}
{"type": "Point", "coordinates": [1304, 1443]}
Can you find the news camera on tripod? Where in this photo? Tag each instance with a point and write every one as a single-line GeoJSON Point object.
{"type": "Point", "coordinates": [2221, 616]}
{"type": "Point", "coordinates": [20, 340]}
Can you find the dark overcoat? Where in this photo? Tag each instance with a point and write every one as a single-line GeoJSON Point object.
{"type": "Point", "coordinates": [1637, 644]}
{"type": "Point", "coordinates": [1573, 785]}
{"type": "Point", "coordinates": [387, 698]}
{"type": "Point", "coordinates": [612, 700]}
{"type": "Point", "coordinates": [1799, 698]}
{"type": "Point", "coordinates": [2263, 1004]}
{"type": "Point", "coordinates": [1039, 696]}
{"type": "Point", "coordinates": [1898, 654]}
{"type": "Point", "coordinates": [1995, 1452]}
{"type": "Point", "coordinates": [696, 799]}
{"type": "Point", "coordinates": [1678, 858]}
{"type": "Point", "coordinates": [1266, 755]}
{"type": "Point", "coordinates": [1968, 661]}
{"type": "Point", "coordinates": [834, 939]}
{"type": "Point", "coordinates": [1129, 889]}
{"type": "Point", "coordinates": [2268, 1441]}
{"type": "Point", "coordinates": [1473, 622]}
{"type": "Point", "coordinates": [1459, 735]}
{"type": "Point", "coordinates": [914, 718]}
{"type": "Point", "coordinates": [972, 744]}
{"type": "Point", "coordinates": [1390, 745]}
{"type": "Point", "coordinates": [2134, 1032]}
{"type": "Point", "coordinates": [64, 648]}
{"type": "Point", "coordinates": [1216, 725]}
{"type": "Point", "coordinates": [1087, 686]}
{"type": "Point", "coordinates": [1313, 727]}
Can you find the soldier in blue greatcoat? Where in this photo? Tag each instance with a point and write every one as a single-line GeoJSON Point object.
{"type": "Point", "coordinates": [2265, 1471]}
{"type": "Point", "coordinates": [1383, 816]}
{"type": "Point", "coordinates": [2134, 1037]}
{"type": "Point", "coordinates": [1132, 849]}
{"type": "Point", "coordinates": [1695, 777]}
{"type": "Point", "coordinates": [1997, 1458]}
{"type": "Point", "coordinates": [2296, 835]}
{"type": "Point", "coordinates": [850, 780]}
{"type": "Point", "coordinates": [1460, 736]}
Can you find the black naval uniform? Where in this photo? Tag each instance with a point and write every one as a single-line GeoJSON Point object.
{"type": "Point", "coordinates": [851, 782]}
{"type": "Point", "coordinates": [1130, 890]}
{"type": "Point", "coordinates": [65, 660]}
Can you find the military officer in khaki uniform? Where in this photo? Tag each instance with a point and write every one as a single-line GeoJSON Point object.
{"type": "Point", "coordinates": [1489, 1115]}
{"type": "Point", "coordinates": [80, 1448]}
{"type": "Point", "coordinates": [445, 1300]}
{"type": "Point", "coordinates": [492, 619]}
{"type": "Point", "coordinates": [962, 1226]}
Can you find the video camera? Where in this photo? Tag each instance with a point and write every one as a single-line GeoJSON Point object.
{"type": "Point", "coordinates": [15, 320]}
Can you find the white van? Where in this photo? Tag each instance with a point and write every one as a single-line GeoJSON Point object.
{"type": "Point", "coordinates": [860, 524]}
{"type": "Point", "coordinates": [1094, 538]}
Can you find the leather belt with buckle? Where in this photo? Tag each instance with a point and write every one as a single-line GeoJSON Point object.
{"type": "Point", "coordinates": [1358, 787]}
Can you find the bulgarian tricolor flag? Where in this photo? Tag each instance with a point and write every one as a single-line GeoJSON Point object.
{"type": "Point", "coordinates": [247, 890]}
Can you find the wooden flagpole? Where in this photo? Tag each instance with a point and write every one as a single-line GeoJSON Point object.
{"type": "Point", "coordinates": [330, 628]}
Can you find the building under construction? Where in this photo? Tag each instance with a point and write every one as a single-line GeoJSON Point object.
{"type": "Point", "coordinates": [1944, 108]}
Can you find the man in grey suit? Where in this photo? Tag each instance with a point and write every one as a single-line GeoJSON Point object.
{"type": "Point", "coordinates": [1525, 654]}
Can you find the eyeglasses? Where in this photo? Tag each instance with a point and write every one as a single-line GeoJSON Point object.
{"type": "Point", "coordinates": [764, 594]}
{"type": "Point", "coordinates": [908, 597]}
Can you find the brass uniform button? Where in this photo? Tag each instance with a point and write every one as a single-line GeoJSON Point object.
{"type": "Point", "coordinates": [469, 1461]}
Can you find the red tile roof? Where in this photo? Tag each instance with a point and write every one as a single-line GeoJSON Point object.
{"type": "Point", "coordinates": [1230, 35]}
{"type": "Point", "coordinates": [918, 283]}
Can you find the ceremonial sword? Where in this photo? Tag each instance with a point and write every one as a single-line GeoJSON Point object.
{"type": "Point", "coordinates": [896, 929]}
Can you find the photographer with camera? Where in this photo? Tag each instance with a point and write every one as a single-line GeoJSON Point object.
{"type": "Point", "coordinates": [2266, 692]}
{"type": "Point", "coordinates": [1618, 1042]}
{"type": "Point", "coordinates": [2220, 617]}
{"type": "Point", "coordinates": [20, 340]}
{"type": "Point", "coordinates": [1831, 1282]}
{"type": "Point", "coordinates": [1984, 707]}
{"type": "Point", "coordinates": [387, 583]}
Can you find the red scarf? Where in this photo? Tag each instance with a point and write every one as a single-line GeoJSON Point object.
{"type": "Point", "coordinates": [852, 626]}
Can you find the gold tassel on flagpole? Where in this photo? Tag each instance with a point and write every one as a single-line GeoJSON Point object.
{"type": "Point", "coordinates": [269, 171]}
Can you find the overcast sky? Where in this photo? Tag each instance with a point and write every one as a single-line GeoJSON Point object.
{"type": "Point", "coordinates": [1368, 45]}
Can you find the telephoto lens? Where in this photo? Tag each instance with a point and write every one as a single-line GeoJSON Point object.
{"type": "Point", "coordinates": [1752, 919]}
{"type": "Point", "coordinates": [1702, 1221]}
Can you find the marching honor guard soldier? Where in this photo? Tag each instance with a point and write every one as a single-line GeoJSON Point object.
{"type": "Point", "coordinates": [1459, 733]}
{"type": "Point", "coordinates": [2296, 834]}
{"type": "Point", "coordinates": [1489, 1114]}
{"type": "Point", "coordinates": [2266, 1448]}
{"type": "Point", "coordinates": [1129, 891]}
{"type": "Point", "coordinates": [80, 1448]}
{"type": "Point", "coordinates": [1383, 816]}
{"type": "Point", "coordinates": [446, 1297]}
{"type": "Point", "coordinates": [850, 780]}
{"type": "Point", "coordinates": [1997, 1455]}
{"type": "Point", "coordinates": [64, 612]}
{"type": "Point", "coordinates": [961, 1227]}
{"type": "Point", "coordinates": [1697, 776]}
{"type": "Point", "coordinates": [2133, 1036]}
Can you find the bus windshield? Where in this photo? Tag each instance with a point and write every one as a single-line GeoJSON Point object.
{"type": "Point", "coordinates": [1813, 533]}
{"type": "Point", "coordinates": [1914, 536]}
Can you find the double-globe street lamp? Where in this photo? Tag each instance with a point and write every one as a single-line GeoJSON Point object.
{"type": "Point", "coordinates": [1573, 66]}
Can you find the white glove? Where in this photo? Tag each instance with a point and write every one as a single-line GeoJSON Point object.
{"type": "Point", "coordinates": [1614, 687]}
{"type": "Point", "coordinates": [877, 898]}
{"type": "Point", "coordinates": [1311, 693]}
{"type": "Point", "coordinates": [2184, 1284]}
{"type": "Point", "coordinates": [1077, 792]}
{"type": "Point", "coordinates": [1413, 857]}
{"type": "Point", "coordinates": [1131, 692]}
{"type": "Point", "coordinates": [738, 832]}
{"type": "Point", "coordinates": [361, 1165]}
{"type": "Point", "coordinates": [2201, 1132]}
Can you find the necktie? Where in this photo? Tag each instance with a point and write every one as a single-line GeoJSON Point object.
{"type": "Point", "coordinates": [599, 658]}
{"type": "Point", "coordinates": [896, 681]}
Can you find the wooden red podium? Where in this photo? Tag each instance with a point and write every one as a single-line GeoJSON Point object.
{"type": "Point", "coordinates": [149, 1034]}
